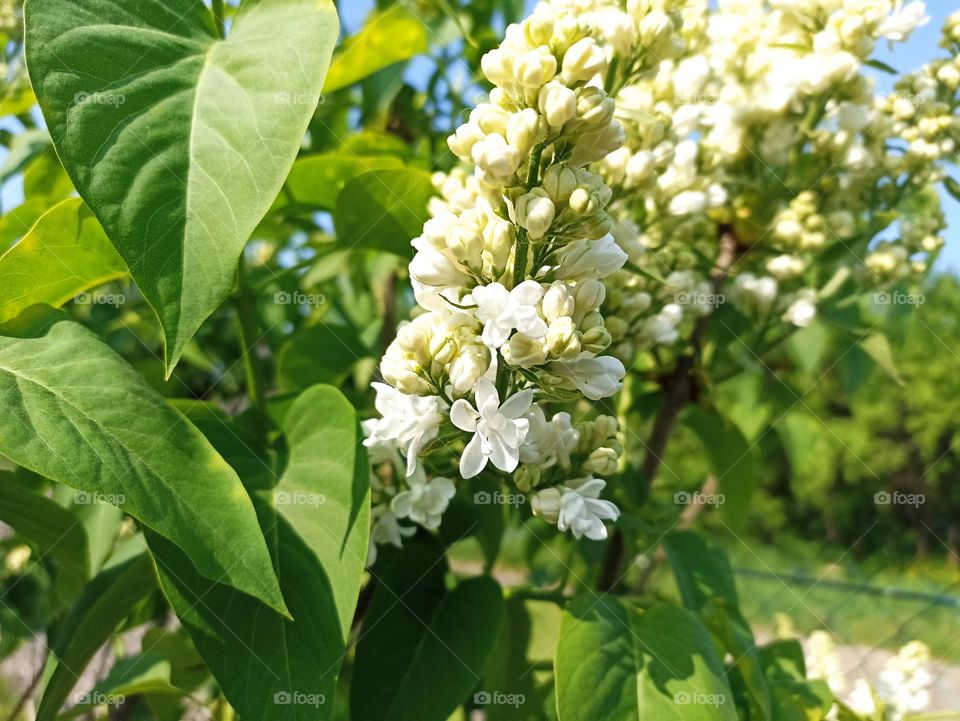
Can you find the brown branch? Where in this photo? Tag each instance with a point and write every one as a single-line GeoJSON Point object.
{"type": "Point", "coordinates": [678, 390]}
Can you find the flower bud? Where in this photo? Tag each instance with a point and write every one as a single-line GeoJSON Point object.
{"type": "Point", "coordinates": [539, 28]}
{"type": "Point", "coordinates": [566, 32]}
{"type": "Point", "coordinates": [562, 340]}
{"type": "Point", "coordinates": [469, 366]}
{"type": "Point", "coordinates": [602, 462]}
{"type": "Point", "coordinates": [496, 67]}
{"type": "Point", "coordinates": [582, 202]}
{"type": "Point", "coordinates": [466, 244]}
{"type": "Point", "coordinates": [589, 295]}
{"type": "Point", "coordinates": [596, 340]}
{"type": "Point", "coordinates": [535, 212]}
{"type": "Point", "coordinates": [535, 67]}
{"type": "Point", "coordinates": [527, 478]}
{"type": "Point", "coordinates": [546, 504]}
{"type": "Point", "coordinates": [495, 157]}
{"type": "Point", "coordinates": [524, 351]}
{"type": "Point", "coordinates": [559, 181]}
{"type": "Point", "coordinates": [523, 130]}
{"type": "Point", "coordinates": [594, 106]}
{"type": "Point", "coordinates": [461, 142]}
{"type": "Point", "coordinates": [583, 60]}
{"type": "Point", "coordinates": [557, 302]}
{"type": "Point", "coordinates": [655, 28]}
{"type": "Point", "coordinates": [557, 102]}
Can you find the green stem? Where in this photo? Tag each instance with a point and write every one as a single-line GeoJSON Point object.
{"type": "Point", "coordinates": [520, 260]}
{"type": "Point", "coordinates": [246, 302]}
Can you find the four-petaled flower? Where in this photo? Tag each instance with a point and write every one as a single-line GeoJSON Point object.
{"type": "Point", "coordinates": [409, 421]}
{"type": "Point", "coordinates": [583, 511]}
{"type": "Point", "coordinates": [502, 310]}
{"type": "Point", "coordinates": [499, 430]}
{"type": "Point", "coordinates": [425, 502]}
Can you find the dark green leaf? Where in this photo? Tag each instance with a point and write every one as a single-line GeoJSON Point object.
{"type": "Point", "coordinates": [316, 180]}
{"type": "Point", "coordinates": [106, 602]}
{"type": "Point", "coordinates": [76, 413]}
{"type": "Point", "coordinates": [57, 532]}
{"type": "Point", "coordinates": [385, 210]}
{"type": "Point", "coordinates": [422, 648]}
{"type": "Point", "coordinates": [318, 529]}
{"type": "Point", "coordinates": [882, 66]}
{"type": "Point", "coordinates": [318, 354]}
{"type": "Point", "coordinates": [733, 460]}
{"type": "Point", "coordinates": [701, 569]}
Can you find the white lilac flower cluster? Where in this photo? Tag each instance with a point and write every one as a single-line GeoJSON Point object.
{"type": "Point", "coordinates": [760, 120]}
{"type": "Point", "coordinates": [900, 689]}
{"type": "Point", "coordinates": [508, 274]}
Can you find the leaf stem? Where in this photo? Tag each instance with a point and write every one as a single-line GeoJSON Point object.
{"type": "Point", "coordinates": [246, 302]}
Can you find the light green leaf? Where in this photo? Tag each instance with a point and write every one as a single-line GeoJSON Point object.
{"type": "Point", "coordinates": [108, 600]}
{"type": "Point", "coordinates": [57, 532]}
{"type": "Point", "coordinates": [75, 412]}
{"type": "Point", "coordinates": [45, 178]}
{"type": "Point", "coordinates": [389, 37]}
{"type": "Point", "coordinates": [316, 522]}
{"type": "Point", "coordinates": [878, 348]}
{"type": "Point", "coordinates": [619, 664]}
{"type": "Point", "coordinates": [316, 180]}
{"type": "Point", "coordinates": [64, 254]}
{"type": "Point", "coordinates": [421, 657]}
{"type": "Point", "coordinates": [24, 148]}
{"type": "Point", "coordinates": [178, 141]}
{"type": "Point", "coordinates": [384, 210]}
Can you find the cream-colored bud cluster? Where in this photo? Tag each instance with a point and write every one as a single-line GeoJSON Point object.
{"type": "Point", "coordinates": [761, 118]}
{"type": "Point", "coordinates": [509, 272]}
{"type": "Point", "coordinates": [436, 349]}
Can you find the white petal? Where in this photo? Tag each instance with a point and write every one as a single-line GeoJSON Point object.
{"type": "Point", "coordinates": [473, 459]}
{"type": "Point", "coordinates": [463, 416]}
{"type": "Point", "coordinates": [486, 391]}
{"type": "Point", "coordinates": [529, 292]}
{"type": "Point", "coordinates": [517, 404]}
{"type": "Point", "coordinates": [503, 456]}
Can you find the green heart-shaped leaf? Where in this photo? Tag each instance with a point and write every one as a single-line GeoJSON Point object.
{"type": "Point", "coordinates": [75, 412]}
{"type": "Point", "coordinates": [178, 141]}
